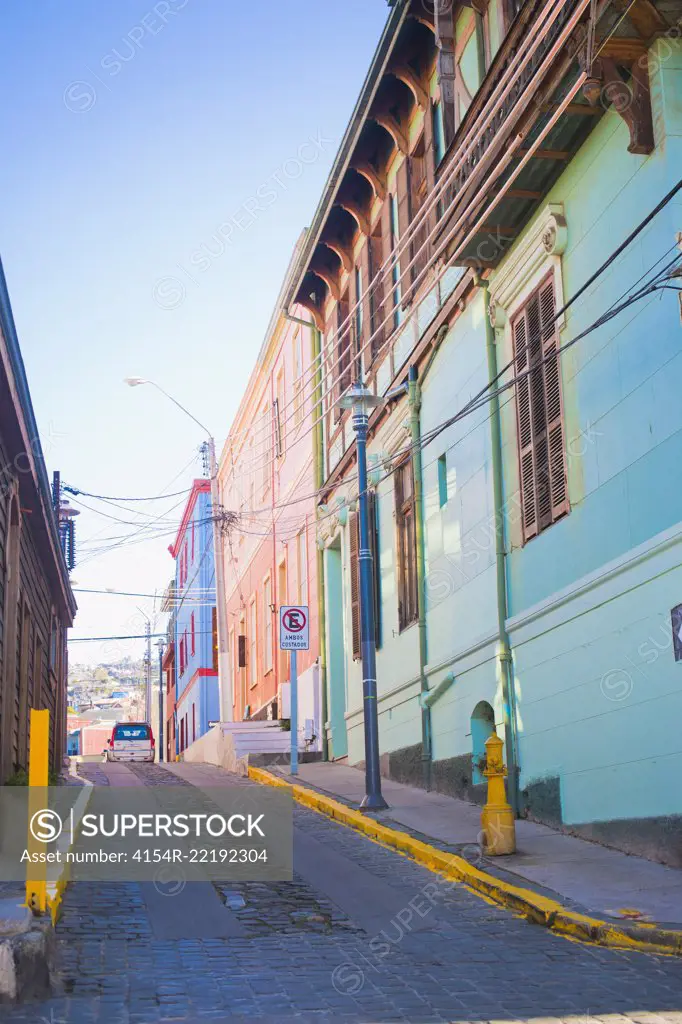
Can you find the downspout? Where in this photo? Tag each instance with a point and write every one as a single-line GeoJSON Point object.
{"type": "Point", "coordinates": [414, 402]}
{"type": "Point", "coordinates": [503, 646]}
{"type": "Point", "coordinates": [318, 471]}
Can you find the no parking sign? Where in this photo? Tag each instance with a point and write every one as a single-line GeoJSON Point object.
{"type": "Point", "coordinates": [294, 628]}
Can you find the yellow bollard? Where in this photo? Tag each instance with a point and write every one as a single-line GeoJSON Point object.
{"type": "Point", "coordinates": [497, 819]}
{"type": "Point", "coordinates": [38, 778]}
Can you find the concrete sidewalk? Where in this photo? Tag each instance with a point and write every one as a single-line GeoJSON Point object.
{"type": "Point", "coordinates": [582, 875]}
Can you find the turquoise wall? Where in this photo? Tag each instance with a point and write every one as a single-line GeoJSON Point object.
{"type": "Point", "coordinates": [622, 408]}
{"type": "Point", "coordinates": [599, 693]}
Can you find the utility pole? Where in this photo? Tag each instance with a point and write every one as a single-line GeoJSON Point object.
{"type": "Point", "coordinates": [224, 680]}
{"type": "Point", "coordinates": [160, 645]}
{"type": "Point", "coordinates": [148, 672]}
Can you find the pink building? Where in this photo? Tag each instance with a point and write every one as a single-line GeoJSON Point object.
{"type": "Point", "coordinates": [266, 476]}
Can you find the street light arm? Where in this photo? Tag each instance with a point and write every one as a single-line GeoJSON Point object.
{"type": "Point", "coordinates": [175, 402]}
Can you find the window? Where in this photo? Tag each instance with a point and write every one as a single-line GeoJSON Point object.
{"type": "Point", "coordinates": [253, 643]}
{"type": "Point", "coordinates": [442, 480]}
{"type": "Point", "coordinates": [358, 309]}
{"type": "Point", "coordinates": [395, 271]}
{"type": "Point", "coordinates": [539, 413]}
{"type": "Point", "coordinates": [376, 298]}
{"type": "Point", "coordinates": [469, 59]}
{"type": "Point", "coordinates": [407, 545]}
{"type": "Point", "coordinates": [354, 526]}
{"type": "Point", "coordinates": [438, 131]}
{"type": "Point", "coordinates": [302, 565]}
{"type": "Point", "coordinates": [267, 625]}
{"type": "Point", "coordinates": [192, 633]}
{"type": "Point", "coordinates": [418, 190]}
{"type": "Point", "coordinates": [343, 344]}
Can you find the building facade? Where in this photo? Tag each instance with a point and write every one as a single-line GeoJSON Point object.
{"type": "Point", "coordinates": [37, 605]}
{"type": "Point", "coordinates": [481, 258]}
{"type": "Point", "coordinates": [195, 647]}
{"type": "Point", "coordinates": [267, 475]}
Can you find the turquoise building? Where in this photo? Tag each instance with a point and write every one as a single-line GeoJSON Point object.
{"type": "Point", "coordinates": [526, 486]}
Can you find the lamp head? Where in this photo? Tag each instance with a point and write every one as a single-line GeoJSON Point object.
{"type": "Point", "coordinates": [132, 382]}
{"type": "Point", "coordinates": [360, 399]}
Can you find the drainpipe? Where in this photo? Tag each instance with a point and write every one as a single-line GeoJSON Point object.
{"type": "Point", "coordinates": [318, 469]}
{"type": "Point", "coordinates": [503, 646]}
{"type": "Point", "coordinates": [414, 402]}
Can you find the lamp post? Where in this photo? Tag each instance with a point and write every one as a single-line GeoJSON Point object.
{"type": "Point", "coordinates": [361, 401]}
{"type": "Point", "coordinates": [224, 679]}
{"type": "Point", "coordinates": [160, 644]}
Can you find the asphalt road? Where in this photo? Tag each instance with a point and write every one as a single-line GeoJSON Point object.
{"type": "Point", "coordinates": [362, 934]}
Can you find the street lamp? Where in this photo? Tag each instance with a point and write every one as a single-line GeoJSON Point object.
{"type": "Point", "coordinates": [361, 401]}
{"type": "Point", "coordinates": [160, 644]}
{"type": "Point", "coordinates": [224, 681]}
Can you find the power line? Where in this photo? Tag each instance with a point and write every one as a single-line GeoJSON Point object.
{"type": "Point", "coordinates": [108, 497]}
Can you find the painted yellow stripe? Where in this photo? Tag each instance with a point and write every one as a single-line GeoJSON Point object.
{"type": "Point", "coordinates": [529, 904]}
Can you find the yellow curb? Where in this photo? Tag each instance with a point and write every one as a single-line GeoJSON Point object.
{"type": "Point", "coordinates": [529, 904]}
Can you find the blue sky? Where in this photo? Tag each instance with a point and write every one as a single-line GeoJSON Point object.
{"type": "Point", "coordinates": [133, 131]}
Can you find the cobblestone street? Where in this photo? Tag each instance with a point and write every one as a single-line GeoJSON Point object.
{"type": "Point", "coordinates": [339, 943]}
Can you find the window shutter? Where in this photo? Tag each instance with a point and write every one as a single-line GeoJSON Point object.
{"type": "Point", "coordinates": [372, 512]}
{"type": "Point", "coordinates": [418, 196]}
{"type": "Point", "coordinates": [375, 253]}
{"type": "Point", "coordinates": [558, 489]}
{"type": "Point", "coordinates": [343, 343]}
{"type": "Point", "coordinates": [542, 462]}
{"type": "Point", "coordinates": [354, 524]}
{"type": "Point", "coordinates": [366, 303]}
{"type": "Point", "coordinates": [525, 431]}
{"type": "Point", "coordinates": [351, 333]}
{"type": "Point", "coordinates": [403, 195]}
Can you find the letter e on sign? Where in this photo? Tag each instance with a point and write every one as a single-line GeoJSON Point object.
{"type": "Point", "coordinates": [294, 628]}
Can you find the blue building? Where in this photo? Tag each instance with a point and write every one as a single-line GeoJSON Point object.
{"type": "Point", "coordinates": [194, 620]}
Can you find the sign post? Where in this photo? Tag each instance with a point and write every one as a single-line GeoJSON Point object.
{"type": "Point", "coordinates": [294, 636]}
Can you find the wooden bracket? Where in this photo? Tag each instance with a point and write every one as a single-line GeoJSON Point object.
{"type": "Point", "coordinates": [340, 250]}
{"type": "Point", "coordinates": [630, 99]}
{"type": "Point", "coordinates": [405, 74]}
{"type": "Point", "coordinates": [374, 177]}
{"type": "Point", "coordinates": [389, 124]}
{"type": "Point", "coordinates": [358, 215]}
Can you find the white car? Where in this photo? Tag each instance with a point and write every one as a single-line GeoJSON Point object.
{"type": "Point", "coordinates": [131, 741]}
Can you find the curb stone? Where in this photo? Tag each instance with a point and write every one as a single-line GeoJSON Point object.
{"type": "Point", "coordinates": [534, 907]}
{"type": "Point", "coordinates": [27, 962]}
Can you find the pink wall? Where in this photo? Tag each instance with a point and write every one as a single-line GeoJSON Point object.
{"type": "Point", "coordinates": [274, 497]}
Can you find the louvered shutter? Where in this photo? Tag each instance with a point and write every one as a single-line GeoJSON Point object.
{"type": "Point", "coordinates": [365, 355]}
{"type": "Point", "coordinates": [558, 489]}
{"type": "Point", "coordinates": [429, 165]}
{"type": "Point", "coordinates": [403, 196]}
{"type": "Point", "coordinates": [354, 526]}
{"type": "Point", "coordinates": [542, 464]}
{"type": "Point", "coordinates": [350, 340]}
{"type": "Point", "coordinates": [387, 273]}
{"type": "Point", "coordinates": [375, 259]}
{"type": "Point", "coordinates": [372, 512]}
{"type": "Point", "coordinates": [525, 432]}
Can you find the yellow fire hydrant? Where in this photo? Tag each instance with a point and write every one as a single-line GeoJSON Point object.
{"type": "Point", "coordinates": [497, 819]}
